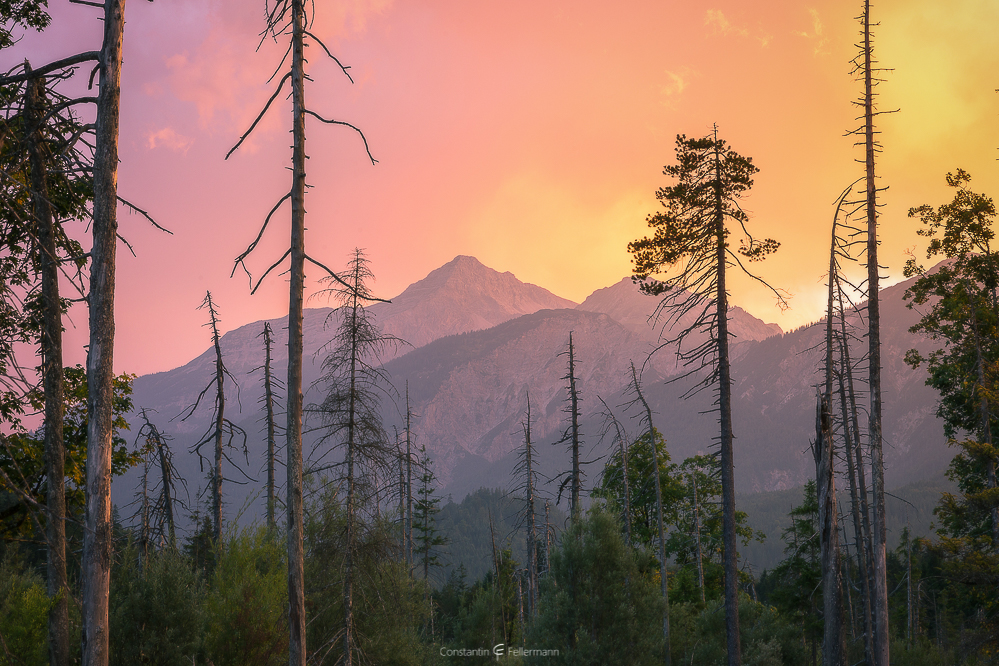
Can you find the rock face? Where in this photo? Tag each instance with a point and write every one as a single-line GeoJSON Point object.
{"type": "Point", "coordinates": [482, 341]}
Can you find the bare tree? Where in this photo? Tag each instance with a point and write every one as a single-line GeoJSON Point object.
{"type": "Point", "coordinates": [864, 67]}
{"type": "Point", "coordinates": [96, 565]}
{"type": "Point", "coordinates": [571, 436]}
{"type": "Point", "coordinates": [271, 387]}
{"type": "Point", "coordinates": [646, 417]}
{"type": "Point", "coordinates": [222, 432]}
{"type": "Point", "coordinates": [613, 427]}
{"type": "Point", "coordinates": [692, 234]}
{"type": "Point", "coordinates": [287, 19]}
{"type": "Point", "coordinates": [525, 469]}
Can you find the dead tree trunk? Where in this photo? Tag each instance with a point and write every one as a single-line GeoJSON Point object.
{"type": "Point", "coordinates": [219, 424]}
{"type": "Point", "coordinates": [296, 548]}
{"type": "Point", "coordinates": [572, 433]}
{"type": "Point", "coordinates": [52, 376]}
{"type": "Point", "coordinates": [832, 640]}
{"type": "Point", "coordinates": [825, 479]}
{"type": "Point", "coordinates": [531, 519]}
{"type": "Point", "coordinates": [271, 440]}
{"type": "Point", "coordinates": [651, 432]}
{"type": "Point", "coordinates": [97, 535]}
{"type": "Point", "coordinates": [409, 484]}
{"type": "Point", "coordinates": [880, 591]}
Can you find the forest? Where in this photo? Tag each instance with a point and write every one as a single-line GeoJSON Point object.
{"type": "Point", "coordinates": [358, 558]}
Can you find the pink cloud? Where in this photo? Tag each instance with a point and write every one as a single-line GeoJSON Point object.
{"type": "Point", "coordinates": [168, 138]}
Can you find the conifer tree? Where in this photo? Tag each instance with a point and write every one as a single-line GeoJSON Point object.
{"type": "Point", "coordinates": [353, 381]}
{"type": "Point", "coordinates": [693, 233]}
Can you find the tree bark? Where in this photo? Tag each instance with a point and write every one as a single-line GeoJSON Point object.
{"type": "Point", "coordinates": [52, 377]}
{"type": "Point", "coordinates": [880, 591]}
{"type": "Point", "coordinates": [832, 604]}
{"type": "Point", "coordinates": [296, 548]}
{"type": "Point", "coordinates": [97, 535]}
{"type": "Point", "coordinates": [730, 564]}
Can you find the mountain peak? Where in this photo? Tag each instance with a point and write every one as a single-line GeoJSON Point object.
{"type": "Point", "coordinates": [462, 295]}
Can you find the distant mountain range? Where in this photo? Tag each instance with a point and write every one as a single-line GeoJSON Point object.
{"type": "Point", "coordinates": [482, 341]}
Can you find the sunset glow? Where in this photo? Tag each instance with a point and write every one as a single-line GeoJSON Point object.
{"type": "Point", "coordinates": [529, 135]}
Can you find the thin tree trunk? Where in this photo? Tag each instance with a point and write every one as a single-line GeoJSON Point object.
{"type": "Point", "coordinates": [52, 377]}
{"type": "Point", "coordinates": [97, 534]}
{"type": "Point", "coordinates": [409, 485]}
{"type": "Point", "coordinates": [348, 577]}
{"type": "Point", "coordinates": [271, 440]}
{"type": "Point", "coordinates": [219, 424]}
{"type": "Point", "coordinates": [697, 533]}
{"type": "Point", "coordinates": [832, 639]}
{"type": "Point", "coordinates": [880, 590]}
{"type": "Point", "coordinates": [574, 416]}
{"type": "Point", "coordinates": [859, 533]}
{"type": "Point", "coordinates": [846, 368]}
{"type": "Point", "coordinates": [825, 474]}
{"type": "Point", "coordinates": [532, 555]}
{"type": "Point", "coordinates": [731, 565]}
{"type": "Point", "coordinates": [167, 476]}
{"type": "Point", "coordinates": [296, 549]}
{"type": "Point", "coordinates": [659, 513]}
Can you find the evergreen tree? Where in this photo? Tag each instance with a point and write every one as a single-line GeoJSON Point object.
{"type": "Point", "coordinates": [693, 233]}
{"type": "Point", "coordinates": [600, 602]}
{"type": "Point", "coordinates": [354, 382]}
{"type": "Point", "coordinates": [427, 538]}
{"type": "Point", "coordinates": [795, 585]}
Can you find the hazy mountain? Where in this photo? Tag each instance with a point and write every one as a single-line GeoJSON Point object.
{"type": "Point", "coordinates": [469, 391]}
{"type": "Point", "coordinates": [635, 310]}
{"type": "Point", "coordinates": [461, 296]}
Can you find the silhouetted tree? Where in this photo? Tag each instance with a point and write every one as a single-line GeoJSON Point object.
{"type": "Point", "coordinates": [287, 19]}
{"type": "Point", "coordinates": [692, 234]}
{"type": "Point", "coordinates": [865, 69]}
{"type": "Point", "coordinates": [354, 381]}
{"type": "Point", "coordinates": [222, 432]}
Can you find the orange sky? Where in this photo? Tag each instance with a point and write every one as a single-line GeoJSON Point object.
{"type": "Point", "coordinates": [531, 135]}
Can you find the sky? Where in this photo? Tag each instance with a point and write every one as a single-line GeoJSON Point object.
{"type": "Point", "coordinates": [531, 135]}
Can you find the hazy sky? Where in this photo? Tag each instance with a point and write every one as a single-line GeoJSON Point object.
{"type": "Point", "coordinates": [531, 135]}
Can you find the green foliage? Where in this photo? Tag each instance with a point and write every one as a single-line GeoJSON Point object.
{"type": "Point", "coordinates": [710, 179]}
{"type": "Point", "coordinates": [428, 539]}
{"type": "Point", "coordinates": [247, 602]}
{"type": "Point", "coordinates": [156, 610]}
{"type": "Point", "coordinates": [600, 603]}
{"type": "Point", "coordinates": [22, 454]}
{"type": "Point", "coordinates": [768, 639]}
{"type": "Point", "coordinates": [24, 612]}
{"type": "Point", "coordinates": [677, 482]}
{"type": "Point", "coordinates": [486, 613]}
{"type": "Point", "coordinates": [23, 13]}
{"type": "Point", "coordinates": [389, 607]}
{"type": "Point", "coordinates": [794, 585]}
